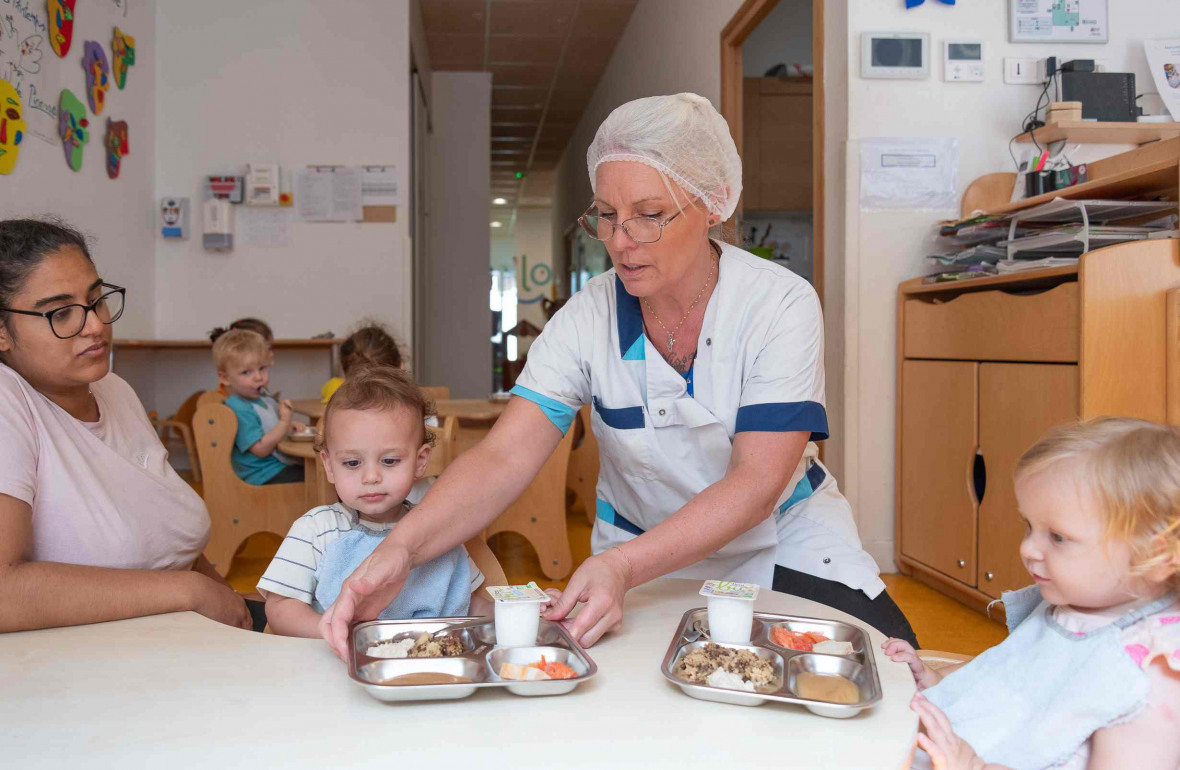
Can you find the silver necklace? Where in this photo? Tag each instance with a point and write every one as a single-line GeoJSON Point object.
{"type": "Point", "coordinates": [672, 334]}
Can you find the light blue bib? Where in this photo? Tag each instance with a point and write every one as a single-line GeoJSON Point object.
{"type": "Point", "coordinates": [1032, 700]}
{"type": "Point", "coordinates": [440, 588]}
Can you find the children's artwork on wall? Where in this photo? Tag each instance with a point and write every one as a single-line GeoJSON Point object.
{"type": "Point", "coordinates": [174, 218]}
{"type": "Point", "coordinates": [61, 25]}
{"type": "Point", "coordinates": [98, 75]}
{"type": "Point", "coordinates": [30, 54]}
{"type": "Point", "coordinates": [116, 146]}
{"type": "Point", "coordinates": [12, 126]}
{"type": "Point", "coordinates": [73, 127]}
{"type": "Point", "coordinates": [122, 56]}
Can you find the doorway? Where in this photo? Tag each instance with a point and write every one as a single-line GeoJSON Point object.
{"type": "Point", "coordinates": [774, 104]}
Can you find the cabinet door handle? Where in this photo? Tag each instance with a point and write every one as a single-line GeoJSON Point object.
{"type": "Point", "coordinates": [990, 575]}
{"type": "Point", "coordinates": [962, 562]}
{"type": "Point", "coordinates": [979, 476]}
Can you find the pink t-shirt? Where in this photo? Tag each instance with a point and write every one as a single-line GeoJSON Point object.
{"type": "Point", "coordinates": [102, 493]}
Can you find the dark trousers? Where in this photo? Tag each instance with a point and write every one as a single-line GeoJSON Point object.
{"type": "Point", "coordinates": [257, 614]}
{"type": "Point", "coordinates": [289, 475]}
{"type": "Point", "coordinates": [880, 613]}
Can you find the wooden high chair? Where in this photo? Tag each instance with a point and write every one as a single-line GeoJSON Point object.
{"type": "Point", "coordinates": [445, 437]}
{"type": "Point", "coordinates": [539, 514]}
{"type": "Point", "coordinates": [582, 476]}
{"type": "Point", "coordinates": [435, 392]}
{"type": "Point", "coordinates": [237, 509]}
{"type": "Point", "coordinates": [182, 424]}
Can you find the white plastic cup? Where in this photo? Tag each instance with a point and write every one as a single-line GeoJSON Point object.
{"type": "Point", "coordinates": [517, 623]}
{"type": "Point", "coordinates": [730, 619]}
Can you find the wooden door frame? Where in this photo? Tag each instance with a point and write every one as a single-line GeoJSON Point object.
{"type": "Point", "coordinates": [749, 16]}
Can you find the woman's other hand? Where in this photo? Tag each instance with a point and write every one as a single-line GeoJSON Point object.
{"type": "Point", "coordinates": [600, 584]}
{"type": "Point", "coordinates": [219, 602]}
{"type": "Point", "coordinates": [375, 583]}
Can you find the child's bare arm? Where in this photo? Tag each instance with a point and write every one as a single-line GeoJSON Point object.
{"type": "Point", "coordinates": [266, 446]}
{"type": "Point", "coordinates": [291, 617]}
{"type": "Point", "coordinates": [901, 651]}
{"type": "Point", "coordinates": [1150, 741]}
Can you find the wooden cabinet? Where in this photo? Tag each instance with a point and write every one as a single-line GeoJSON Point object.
{"type": "Point", "coordinates": [940, 432]}
{"type": "Point", "coordinates": [776, 144]}
{"type": "Point", "coordinates": [1018, 403]}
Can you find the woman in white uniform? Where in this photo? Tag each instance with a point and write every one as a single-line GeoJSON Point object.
{"type": "Point", "coordinates": [704, 365]}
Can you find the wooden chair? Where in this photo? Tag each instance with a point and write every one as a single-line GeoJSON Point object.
{"type": "Point", "coordinates": [237, 509]}
{"type": "Point", "coordinates": [181, 424]}
{"type": "Point", "coordinates": [937, 659]}
{"type": "Point", "coordinates": [582, 476]}
{"type": "Point", "coordinates": [539, 514]}
{"type": "Point", "coordinates": [435, 392]}
{"type": "Point", "coordinates": [210, 397]}
{"type": "Point", "coordinates": [444, 446]}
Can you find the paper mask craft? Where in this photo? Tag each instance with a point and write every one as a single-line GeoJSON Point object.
{"type": "Point", "coordinates": [72, 127]}
{"type": "Point", "coordinates": [116, 144]}
{"type": "Point", "coordinates": [61, 25]}
{"type": "Point", "coordinates": [122, 56]}
{"type": "Point", "coordinates": [98, 76]}
{"type": "Point", "coordinates": [12, 127]}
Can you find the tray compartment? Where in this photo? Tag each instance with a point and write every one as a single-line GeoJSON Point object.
{"type": "Point", "coordinates": [836, 665]}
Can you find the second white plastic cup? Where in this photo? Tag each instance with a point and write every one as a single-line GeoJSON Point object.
{"type": "Point", "coordinates": [730, 619]}
{"type": "Point", "coordinates": [517, 623]}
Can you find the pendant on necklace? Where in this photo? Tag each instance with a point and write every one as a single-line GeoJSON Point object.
{"type": "Point", "coordinates": [671, 342]}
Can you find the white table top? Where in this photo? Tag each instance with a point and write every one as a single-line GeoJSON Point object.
{"type": "Point", "coordinates": [182, 691]}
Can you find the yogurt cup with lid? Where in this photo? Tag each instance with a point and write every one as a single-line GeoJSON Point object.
{"type": "Point", "coordinates": [731, 610]}
{"type": "Point", "coordinates": [518, 614]}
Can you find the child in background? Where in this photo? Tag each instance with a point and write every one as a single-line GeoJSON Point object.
{"type": "Point", "coordinates": [251, 325]}
{"type": "Point", "coordinates": [243, 369]}
{"type": "Point", "coordinates": [374, 446]}
{"type": "Point", "coordinates": [1089, 676]}
{"type": "Point", "coordinates": [370, 345]}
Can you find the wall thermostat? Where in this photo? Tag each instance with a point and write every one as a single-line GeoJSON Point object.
{"type": "Point", "coordinates": [895, 55]}
{"type": "Point", "coordinates": [963, 61]}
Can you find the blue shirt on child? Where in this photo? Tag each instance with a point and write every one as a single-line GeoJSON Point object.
{"type": "Point", "coordinates": [255, 417]}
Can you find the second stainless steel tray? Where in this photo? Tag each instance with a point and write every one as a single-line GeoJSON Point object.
{"type": "Point", "coordinates": [480, 660]}
{"type": "Point", "coordinates": [860, 667]}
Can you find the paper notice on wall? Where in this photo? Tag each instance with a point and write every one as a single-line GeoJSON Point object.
{"type": "Point", "coordinates": [267, 228]}
{"type": "Point", "coordinates": [915, 173]}
{"type": "Point", "coordinates": [328, 194]}
{"type": "Point", "coordinates": [379, 186]}
{"type": "Point", "coordinates": [1163, 58]}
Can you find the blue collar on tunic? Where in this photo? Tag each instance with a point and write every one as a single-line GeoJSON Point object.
{"type": "Point", "coordinates": [629, 319]}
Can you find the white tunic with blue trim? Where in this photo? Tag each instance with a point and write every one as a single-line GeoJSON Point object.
{"type": "Point", "coordinates": [664, 439]}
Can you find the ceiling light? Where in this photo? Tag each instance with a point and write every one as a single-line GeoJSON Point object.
{"type": "Point", "coordinates": [499, 201]}
{"type": "Point", "coordinates": [497, 224]}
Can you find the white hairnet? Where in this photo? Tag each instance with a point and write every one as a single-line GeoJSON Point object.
{"type": "Point", "coordinates": [680, 135]}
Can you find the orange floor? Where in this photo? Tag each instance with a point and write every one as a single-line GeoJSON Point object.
{"type": "Point", "coordinates": [939, 622]}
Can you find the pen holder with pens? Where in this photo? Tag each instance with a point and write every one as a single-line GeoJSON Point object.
{"type": "Point", "coordinates": [1041, 182]}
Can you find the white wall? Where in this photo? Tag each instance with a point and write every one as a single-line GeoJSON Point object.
{"type": "Point", "coordinates": [883, 249]}
{"type": "Point", "coordinates": [783, 37]}
{"type": "Point", "coordinates": [298, 84]}
{"type": "Point", "coordinates": [117, 215]}
{"type": "Point", "coordinates": [534, 246]}
{"type": "Point", "coordinates": [458, 350]}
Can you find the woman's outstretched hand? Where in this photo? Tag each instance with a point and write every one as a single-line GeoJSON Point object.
{"type": "Point", "coordinates": [600, 584]}
{"type": "Point", "coordinates": [375, 583]}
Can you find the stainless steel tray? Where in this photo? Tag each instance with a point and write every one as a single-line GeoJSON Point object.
{"type": "Point", "coordinates": [860, 666]}
{"type": "Point", "coordinates": [480, 661]}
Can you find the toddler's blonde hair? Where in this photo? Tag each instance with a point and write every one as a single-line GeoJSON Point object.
{"type": "Point", "coordinates": [238, 345]}
{"type": "Point", "coordinates": [1132, 467]}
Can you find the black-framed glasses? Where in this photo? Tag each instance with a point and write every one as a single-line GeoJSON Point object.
{"type": "Point", "coordinates": [639, 229]}
{"type": "Point", "coordinates": [69, 320]}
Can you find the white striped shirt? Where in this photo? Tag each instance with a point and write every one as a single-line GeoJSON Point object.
{"type": "Point", "coordinates": [292, 572]}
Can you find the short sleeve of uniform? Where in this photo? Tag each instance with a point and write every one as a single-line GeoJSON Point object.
{"type": "Point", "coordinates": [556, 376]}
{"type": "Point", "coordinates": [249, 425]}
{"type": "Point", "coordinates": [18, 448]}
{"type": "Point", "coordinates": [784, 389]}
{"type": "Point", "coordinates": [292, 570]}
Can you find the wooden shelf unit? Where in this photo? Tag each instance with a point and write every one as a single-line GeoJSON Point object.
{"type": "Point", "coordinates": [1097, 132]}
{"type": "Point", "coordinates": [985, 367]}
